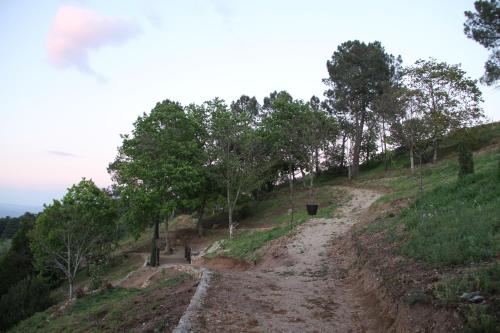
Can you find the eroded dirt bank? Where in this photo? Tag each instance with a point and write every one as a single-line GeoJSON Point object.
{"type": "Point", "coordinates": [297, 287]}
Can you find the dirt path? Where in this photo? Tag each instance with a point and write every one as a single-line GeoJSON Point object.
{"type": "Point", "coordinates": [298, 289]}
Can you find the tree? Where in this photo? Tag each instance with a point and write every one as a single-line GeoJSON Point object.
{"type": "Point", "coordinates": [357, 74]}
{"type": "Point", "coordinates": [283, 129]}
{"type": "Point", "coordinates": [408, 127]}
{"type": "Point", "coordinates": [237, 150]}
{"type": "Point", "coordinates": [248, 106]}
{"type": "Point", "coordinates": [8, 227]}
{"type": "Point", "coordinates": [317, 129]}
{"type": "Point", "coordinates": [17, 263]}
{"type": "Point", "coordinates": [82, 224]}
{"type": "Point", "coordinates": [158, 169]}
{"type": "Point", "coordinates": [210, 190]}
{"type": "Point", "coordinates": [483, 26]}
{"type": "Point", "coordinates": [26, 297]}
{"type": "Point", "coordinates": [448, 98]}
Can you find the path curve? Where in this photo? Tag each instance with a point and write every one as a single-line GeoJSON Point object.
{"type": "Point", "coordinates": [296, 290]}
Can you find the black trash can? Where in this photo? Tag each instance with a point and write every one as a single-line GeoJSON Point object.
{"type": "Point", "coordinates": [312, 209]}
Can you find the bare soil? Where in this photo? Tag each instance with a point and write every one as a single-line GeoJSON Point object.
{"type": "Point", "coordinates": [302, 284]}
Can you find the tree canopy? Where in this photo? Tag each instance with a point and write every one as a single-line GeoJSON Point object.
{"type": "Point", "coordinates": [358, 73]}
{"type": "Point", "coordinates": [483, 26]}
{"type": "Point", "coordinates": [74, 229]}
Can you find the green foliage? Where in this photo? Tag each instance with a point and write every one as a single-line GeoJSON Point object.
{"type": "Point", "coordinates": [159, 166]}
{"type": "Point", "coordinates": [81, 225]}
{"type": "Point", "coordinates": [483, 26]}
{"type": "Point", "coordinates": [447, 98]}
{"type": "Point", "coordinates": [17, 264]}
{"type": "Point", "coordinates": [8, 227]}
{"type": "Point", "coordinates": [96, 270]}
{"type": "Point", "coordinates": [238, 150]}
{"type": "Point", "coordinates": [358, 73]}
{"type": "Point", "coordinates": [465, 160]}
{"type": "Point", "coordinates": [22, 300]}
{"type": "Point", "coordinates": [4, 246]}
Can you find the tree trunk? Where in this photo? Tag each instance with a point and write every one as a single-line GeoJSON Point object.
{"type": "Point", "coordinates": [384, 147]}
{"type": "Point", "coordinates": [201, 212]}
{"type": "Point", "coordinates": [311, 183]}
{"type": "Point", "coordinates": [342, 157]}
{"type": "Point", "coordinates": [229, 212]}
{"type": "Point", "coordinates": [435, 148]}
{"type": "Point", "coordinates": [316, 159]}
{"type": "Point", "coordinates": [292, 204]}
{"type": "Point", "coordinates": [412, 162]}
{"type": "Point", "coordinates": [167, 243]}
{"type": "Point", "coordinates": [70, 282]}
{"type": "Point", "coordinates": [155, 253]}
{"type": "Point", "coordinates": [421, 176]}
{"type": "Point", "coordinates": [357, 145]}
{"type": "Point", "coordinates": [304, 180]}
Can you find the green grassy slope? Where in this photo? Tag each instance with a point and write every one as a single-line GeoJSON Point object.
{"type": "Point", "coordinates": [117, 310]}
{"type": "Point", "coordinates": [452, 226]}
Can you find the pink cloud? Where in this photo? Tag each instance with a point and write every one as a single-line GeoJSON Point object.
{"type": "Point", "coordinates": [76, 31]}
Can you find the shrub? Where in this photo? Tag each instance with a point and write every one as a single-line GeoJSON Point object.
{"type": "Point", "coordinates": [22, 300]}
{"type": "Point", "coordinates": [79, 292]}
{"type": "Point", "coordinates": [498, 166]}
{"type": "Point", "coordinates": [465, 160]}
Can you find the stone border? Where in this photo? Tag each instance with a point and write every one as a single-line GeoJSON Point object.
{"type": "Point", "coordinates": [185, 323]}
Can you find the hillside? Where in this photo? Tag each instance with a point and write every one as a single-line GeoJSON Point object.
{"type": "Point", "coordinates": [404, 264]}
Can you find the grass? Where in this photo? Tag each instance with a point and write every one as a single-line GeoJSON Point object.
{"type": "Point", "coordinates": [486, 280]}
{"type": "Point", "coordinates": [454, 224]}
{"type": "Point", "coordinates": [477, 317]}
{"type": "Point", "coordinates": [244, 245]}
{"type": "Point", "coordinates": [114, 310]}
{"type": "Point", "coordinates": [119, 267]}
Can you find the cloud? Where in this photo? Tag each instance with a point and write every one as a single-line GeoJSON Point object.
{"type": "Point", "coordinates": [61, 153]}
{"type": "Point", "coordinates": [77, 31]}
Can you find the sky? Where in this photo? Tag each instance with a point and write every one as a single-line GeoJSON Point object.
{"type": "Point", "coordinates": [74, 75]}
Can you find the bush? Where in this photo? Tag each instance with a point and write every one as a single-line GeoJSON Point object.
{"type": "Point", "coordinates": [465, 160]}
{"type": "Point", "coordinates": [16, 264]}
{"type": "Point", "coordinates": [23, 299]}
{"type": "Point", "coordinates": [79, 292]}
{"type": "Point", "coordinates": [96, 270]}
{"type": "Point", "coordinates": [498, 166]}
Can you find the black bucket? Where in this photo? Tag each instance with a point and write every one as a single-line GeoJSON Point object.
{"type": "Point", "coordinates": [312, 209]}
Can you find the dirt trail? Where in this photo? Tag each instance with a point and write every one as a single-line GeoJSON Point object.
{"type": "Point", "coordinates": [298, 288]}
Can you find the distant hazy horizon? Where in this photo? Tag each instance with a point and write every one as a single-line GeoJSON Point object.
{"type": "Point", "coordinates": [76, 74]}
{"type": "Point", "coordinates": [14, 210]}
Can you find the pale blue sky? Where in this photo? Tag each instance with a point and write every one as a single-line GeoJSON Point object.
{"type": "Point", "coordinates": [62, 112]}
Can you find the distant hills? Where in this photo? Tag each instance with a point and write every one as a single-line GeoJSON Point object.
{"type": "Point", "coordinates": [13, 210]}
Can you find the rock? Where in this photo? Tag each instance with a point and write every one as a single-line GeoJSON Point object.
{"type": "Point", "coordinates": [477, 299]}
{"type": "Point", "coordinates": [470, 296]}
